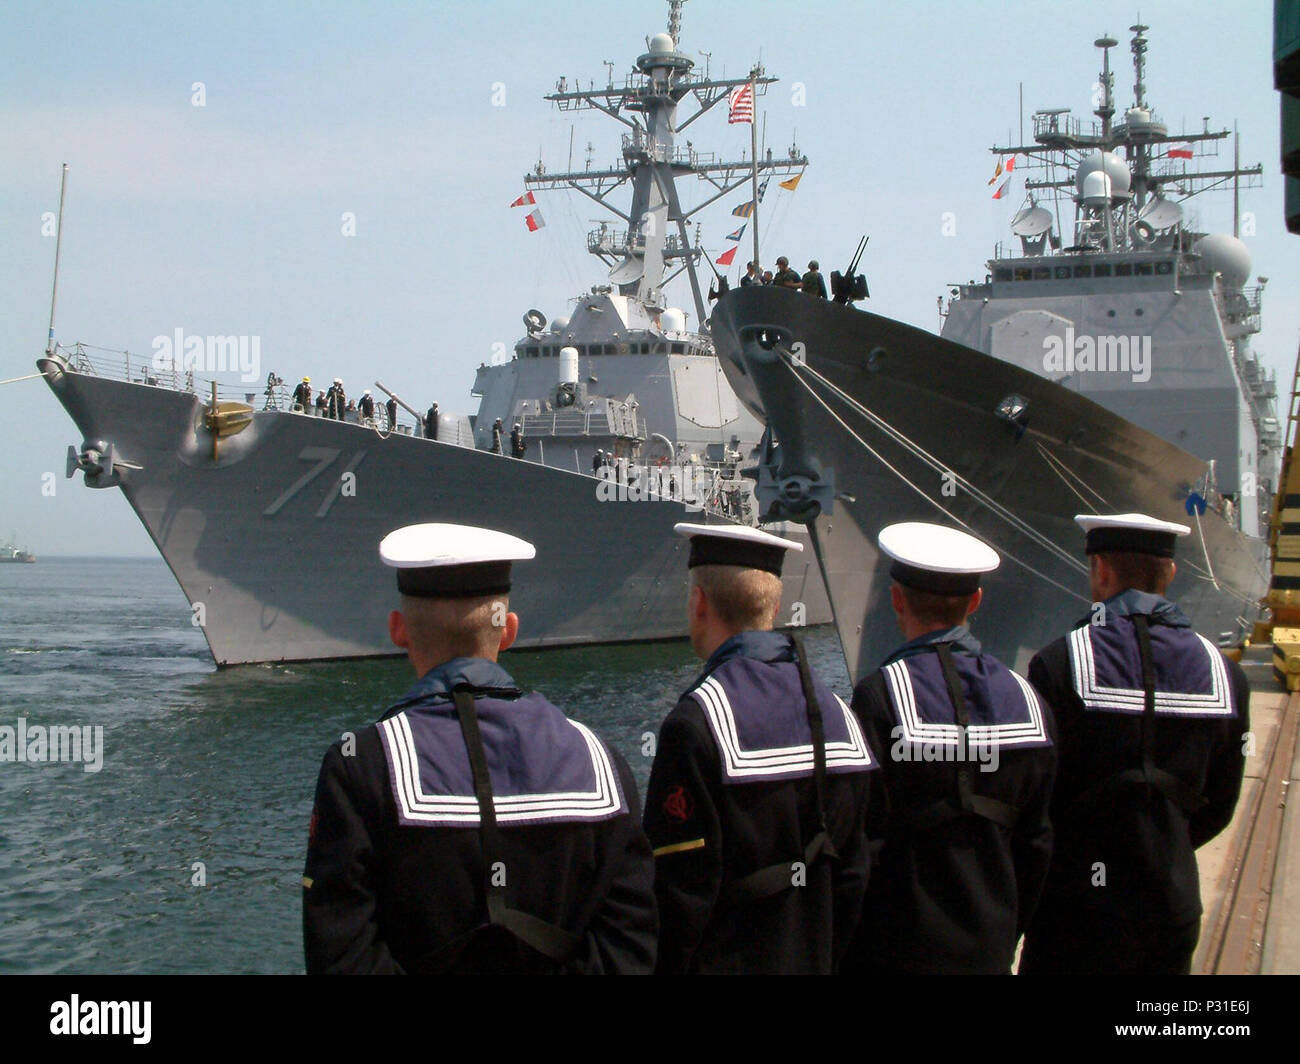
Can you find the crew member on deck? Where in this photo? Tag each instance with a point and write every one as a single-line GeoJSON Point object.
{"type": "Point", "coordinates": [498, 430]}
{"type": "Point", "coordinates": [518, 445]}
{"type": "Point", "coordinates": [431, 423]}
{"type": "Point", "coordinates": [814, 284]}
{"type": "Point", "coordinates": [474, 829]}
{"type": "Point", "coordinates": [336, 400]}
{"type": "Point", "coordinates": [322, 405]}
{"type": "Point", "coordinates": [757, 799]}
{"type": "Point", "coordinates": [1150, 718]}
{"type": "Point", "coordinates": [366, 406]}
{"type": "Point", "coordinates": [967, 760]}
{"type": "Point", "coordinates": [302, 395]}
{"type": "Point", "coordinates": [786, 277]}
{"type": "Point", "coordinates": [751, 277]}
{"type": "Point", "coordinates": [390, 408]}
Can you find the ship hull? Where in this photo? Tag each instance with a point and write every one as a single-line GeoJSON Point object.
{"type": "Point", "coordinates": [275, 543]}
{"type": "Point", "coordinates": [901, 425]}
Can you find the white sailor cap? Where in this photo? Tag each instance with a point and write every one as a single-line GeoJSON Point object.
{"type": "Point", "coordinates": [452, 561]}
{"type": "Point", "coordinates": [740, 545]}
{"type": "Point", "coordinates": [945, 561]}
{"type": "Point", "coordinates": [338, 380]}
{"type": "Point", "coordinates": [1133, 533]}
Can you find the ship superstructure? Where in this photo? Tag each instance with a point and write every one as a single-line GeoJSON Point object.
{"type": "Point", "coordinates": [270, 516]}
{"type": "Point", "coordinates": [1111, 290]}
{"type": "Point", "coordinates": [1104, 366]}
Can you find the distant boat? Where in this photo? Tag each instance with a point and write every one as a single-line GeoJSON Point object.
{"type": "Point", "coordinates": [11, 552]}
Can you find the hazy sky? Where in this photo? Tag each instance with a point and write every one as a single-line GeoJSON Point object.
{"type": "Point", "coordinates": [227, 218]}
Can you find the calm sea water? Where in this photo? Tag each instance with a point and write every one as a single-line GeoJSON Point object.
{"type": "Point", "coordinates": [211, 768]}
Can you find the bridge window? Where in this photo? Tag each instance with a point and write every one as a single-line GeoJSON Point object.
{"type": "Point", "coordinates": [1123, 269]}
{"type": "Point", "coordinates": [1042, 273]}
{"type": "Point", "coordinates": [1164, 267]}
{"type": "Point", "coordinates": [1001, 275]}
{"type": "Point", "coordinates": [1023, 273]}
{"type": "Point", "coordinates": [1101, 269]}
{"type": "Point", "coordinates": [1084, 270]}
{"type": "Point", "coordinates": [1062, 273]}
{"type": "Point", "coordinates": [1145, 269]}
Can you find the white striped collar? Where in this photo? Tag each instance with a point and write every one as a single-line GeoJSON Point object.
{"type": "Point", "coordinates": [1030, 732]}
{"type": "Point", "coordinates": [1083, 667]}
{"type": "Point", "coordinates": [416, 807]}
{"type": "Point", "coordinates": [739, 763]}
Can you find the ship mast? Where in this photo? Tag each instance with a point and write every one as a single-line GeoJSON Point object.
{"type": "Point", "coordinates": [1148, 149]}
{"type": "Point", "coordinates": [656, 246]}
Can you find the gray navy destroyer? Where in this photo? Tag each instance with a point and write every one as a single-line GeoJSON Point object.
{"type": "Point", "coordinates": [1103, 366]}
{"type": "Point", "coordinates": [242, 500]}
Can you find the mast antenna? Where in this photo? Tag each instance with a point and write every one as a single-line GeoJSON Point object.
{"type": "Point", "coordinates": [1107, 108]}
{"type": "Point", "coordinates": [58, 246]}
{"type": "Point", "coordinates": [675, 21]}
{"type": "Point", "coordinates": [1139, 49]}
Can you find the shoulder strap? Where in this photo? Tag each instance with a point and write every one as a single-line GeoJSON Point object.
{"type": "Point", "coordinates": [774, 879]}
{"type": "Point", "coordinates": [966, 802]}
{"type": "Point", "coordinates": [551, 941]}
{"type": "Point", "coordinates": [1152, 774]}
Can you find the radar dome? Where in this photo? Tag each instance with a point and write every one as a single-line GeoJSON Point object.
{"type": "Point", "coordinates": [1115, 168]}
{"type": "Point", "coordinates": [558, 325]}
{"type": "Point", "coordinates": [1224, 254]}
{"type": "Point", "coordinates": [1095, 188]}
{"type": "Point", "coordinates": [661, 44]}
{"type": "Point", "coordinates": [672, 320]}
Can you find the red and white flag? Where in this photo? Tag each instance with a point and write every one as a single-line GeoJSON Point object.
{"type": "Point", "coordinates": [524, 200]}
{"type": "Point", "coordinates": [1180, 151]}
{"type": "Point", "coordinates": [1002, 188]}
{"type": "Point", "coordinates": [534, 221]}
{"type": "Point", "coordinates": [725, 258]}
{"type": "Point", "coordinates": [1010, 164]}
{"type": "Point", "coordinates": [742, 104]}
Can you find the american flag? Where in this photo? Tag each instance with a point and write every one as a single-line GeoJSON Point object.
{"type": "Point", "coordinates": [742, 104]}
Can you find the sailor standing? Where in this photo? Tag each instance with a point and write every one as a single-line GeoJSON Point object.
{"type": "Point", "coordinates": [967, 761]}
{"type": "Point", "coordinates": [302, 395]}
{"type": "Point", "coordinates": [336, 400]}
{"type": "Point", "coordinates": [1151, 719]}
{"type": "Point", "coordinates": [474, 828]}
{"type": "Point", "coordinates": [366, 407]}
{"type": "Point", "coordinates": [431, 423]}
{"type": "Point", "coordinates": [390, 407]}
{"type": "Point", "coordinates": [758, 795]}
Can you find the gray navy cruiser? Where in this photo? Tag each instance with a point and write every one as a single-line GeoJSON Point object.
{"type": "Point", "coordinates": [1103, 366]}
{"type": "Point", "coordinates": [270, 517]}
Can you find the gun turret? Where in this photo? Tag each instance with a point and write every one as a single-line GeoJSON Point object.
{"type": "Point", "coordinates": [850, 286]}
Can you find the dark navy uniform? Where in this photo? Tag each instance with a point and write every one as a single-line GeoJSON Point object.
{"type": "Point", "coordinates": [1143, 783]}
{"type": "Point", "coordinates": [402, 876]}
{"type": "Point", "coordinates": [966, 850]}
{"type": "Point", "coordinates": [302, 395]}
{"type": "Point", "coordinates": [366, 406]}
{"type": "Point", "coordinates": [761, 859]}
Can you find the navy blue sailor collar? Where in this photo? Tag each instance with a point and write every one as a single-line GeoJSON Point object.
{"type": "Point", "coordinates": [769, 647]}
{"type": "Point", "coordinates": [437, 684]}
{"type": "Point", "coordinates": [1130, 602]}
{"type": "Point", "coordinates": [959, 636]}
